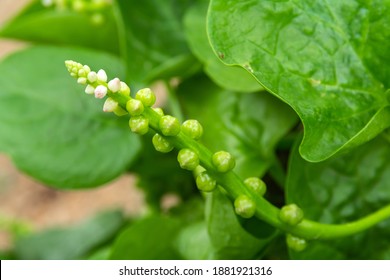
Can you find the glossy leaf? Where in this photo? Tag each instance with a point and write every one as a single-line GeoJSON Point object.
{"type": "Point", "coordinates": [228, 238]}
{"type": "Point", "coordinates": [228, 77]}
{"type": "Point", "coordinates": [340, 190]}
{"type": "Point", "coordinates": [63, 27]}
{"type": "Point", "coordinates": [328, 60]}
{"type": "Point", "coordinates": [154, 38]}
{"type": "Point", "coordinates": [52, 130]}
{"type": "Point", "coordinates": [69, 243]}
{"type": "Point", "coordinates": [151, 238]}
{"type": "Point", "coordinates": [248, 126]}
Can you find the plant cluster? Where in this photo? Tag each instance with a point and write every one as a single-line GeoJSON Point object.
{"type": "Point", "coordinates": [279, 110]}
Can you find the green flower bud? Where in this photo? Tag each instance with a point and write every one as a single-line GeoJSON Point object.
{"type": "Point", "coordinates": [159, 111]}
{"type": "Point", "coordinates": [134, 107]}
{"type": "Point", "coordinates": [296, 243]}
{"type": "Point", "coordinates": [205, 182]}
{"type": "Point", "coordinates": [291, 214]}
{"type": "Point", "coordinates": [223, 161]}
{"type": "Point", "coordinates": [170, 126]}
{"type": "Point", "coordinates": [146, 96]}
{"type": "Point", "coordinates": [139, 125]}
{"type": "Point", "coordinates": [188, 159]}
{"type": "Point", "coordinates": [161, 144]}
{"type": "Point", "coordinates": [244, 206]}
{"type": "Point", "coordinates": [193, 129]}
{"type": "Point", "coordinates": [257, 185]}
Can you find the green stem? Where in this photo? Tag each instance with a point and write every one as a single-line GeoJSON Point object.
{"type": "Point", "coordinates": [233, 184]}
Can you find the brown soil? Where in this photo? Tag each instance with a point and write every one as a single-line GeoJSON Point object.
{"type": "Point", "coordinates": [24, 199]}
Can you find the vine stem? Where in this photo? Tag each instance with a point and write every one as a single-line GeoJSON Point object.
{"type": "Point", "coordinates": [235, 187]}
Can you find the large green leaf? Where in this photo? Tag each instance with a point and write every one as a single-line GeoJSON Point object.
{"type": "Point", "coordinates": [329, 60]}
{"type": "Point", "coordinates": [231, 78]}
{"type": "Point", "coordinates": [226, 234]}
{"type": "Point", "coordinates": [155, 41]}
{"type": "Point", "coordinates": [150, 238]}
{"type": "Point", "coordinates": [248, 126]}
{"type": "Point", "coordinates": [340, 190]}
{"type": "Point", "coordinates": [51, 129]}
{"type": "Point", "coordinates": [70, 243]}
{"type": "Point", "coordinates": [62, 27]}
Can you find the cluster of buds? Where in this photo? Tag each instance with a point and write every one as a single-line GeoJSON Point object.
{"type": "Point", "coordinates": [97, 83]}
{"type": "Point", "coordinates": [94, 8]}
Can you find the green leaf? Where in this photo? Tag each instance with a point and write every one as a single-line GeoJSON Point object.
{"type": "Point", "coordinates": [228, 238]}
{"type": "Point", "coordinates": [70, 243]}
{"type": "Point", "coordinates": [52, 129]}
{"type": "Point", "coordinates": [63, 27]}
{"type": "Point", "coordinates": [248, 126]}
{"type": "Point", "coordinates": [151, 238]}
{"type": "Point", "coordinates": [328, 60]}
{"type": "Point", "coordinates": [155, 42]}
{"type": "Point", "coordinates": [193, 242]}
{"type": "Point", "coordinates": [231, 78]}
{"type": "Point", "coordinates": [341, 190]}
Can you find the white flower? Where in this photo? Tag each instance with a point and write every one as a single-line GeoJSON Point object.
{"type": "Point", "coordinates": [102, 76]}
{"type": "Point", "coordinates": [110, 105]}
{"type": "Point", "coordinates": [92, 77]}
{"type": "Point", "coordinates": [100, 91]}
{"type": "Point", "coordinates": [114, 85]}
{"type": "Point", "coordinates": [89, 89]}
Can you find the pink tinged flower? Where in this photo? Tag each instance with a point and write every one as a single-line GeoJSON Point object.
{"type": "Point", "coordinates": [114, 85]}
{"type": "Point", "coordinates": [100, 91]}
{"type": "Point", "coordinates": [110, 105]}
{"type": "Point", "coordinates": [92, 77]}
{"type": "Point", "coordinates": [89, 89]}
{"type": "Point", "coordinates": [102, 76]}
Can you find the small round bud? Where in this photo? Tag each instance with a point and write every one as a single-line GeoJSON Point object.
{"type": "Point", "coordinates": [114, 85]}
{"type": "Point", "coordinates": [119, 111]}
{"type": "Point", "coordinates": [291, 214]}
{"type": "Point", "coordinates": [92, 77]}
{"type": "Point", "coordinates": [244, 206]}
{"type": "Point", "coordinates": [139, 125]}
{"type": "Point", "coordinates": [188, 159]}
{"type": "Point", "coordinates": [223, 161]}
{"type": "Point", "coordinates": [82, 73]}
{"type": "Point", "coordinates": [134, 107]}
{"type": "Point", "coordinates": [170, 126]}
{"type": "Point", "coordinates": [110, 105]}
{"type": "Point", "coordinates": [205, 182]}
{"type": "Point", "coordinates": [296, 243]}
{"type": "Point", "coordinates": [159, 111]}
{"type": "Point", "coordinates": [102, 76]}
{"type": "Point", "coordinates": [257, 185]}
{"type": "Point", "coordinates": [192, 128]}
{"type": "Point", "coordinates": [124, 89]}
{"type": "Point", "coordinates": [89, 89]}
{"type": "Point", "coordinates": [82, 81]}
{"type": "Point", "coordinates": [100, 91]}
{"type": "Point", "coordinates": [87, 69]}
{"type": "Point", "coordinates": [161, 144]}
{"type": "Point", "coordinates": [146, 96]}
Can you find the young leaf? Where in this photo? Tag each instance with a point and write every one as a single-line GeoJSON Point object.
{"type": "Point", "coordinates": [155, 43]}
{"type": "Point", "coordinates": [51, 129]}
{"type": "Point", "coordinates": [69, 243]}
{"type": "Point", "coordinates": [148, 239]}
{"type": "Point", "coordinates": [231, 78]}
{"type": "Point", "coordinates": [341, 190]}
{"type": "Point", "coordinates": [63, 27]}
{"type": "Point", "coordinates": [328, 60]}
{"type": "Point", "coordinates": [248, 126]}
